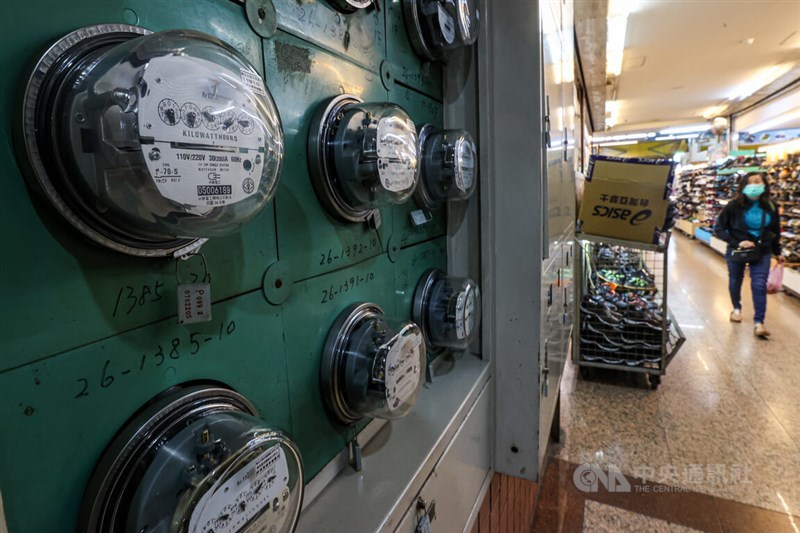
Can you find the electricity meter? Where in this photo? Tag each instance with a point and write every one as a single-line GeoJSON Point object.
{"type": "Point", "coordinates": [195, 460]}
{"type": "Point", "coordinates": [436, 27]}
{"type": "Point", "coordinates": [448, 167]}
{"type": "Point", "coordinates": [147, 142]}
{"type": "Point", "coordinates": [350, 6]}
{"type": "Point", "coordinates": [448, 310]}
{"type": "Point", "coordinates": [372, 366]}
{"type": "Point", "coordinates": [361, 156]}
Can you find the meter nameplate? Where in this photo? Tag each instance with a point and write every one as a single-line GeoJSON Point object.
{"type": "Point", "coordinates": [465, 165]}
{"type": "Point", "coordinates": [397, 158]}
{"type": "Point", "coordinates": [447, 25]}
{"type": "Point", "coordinates": [202, 136]}
{"type": "Point", "coordinates": [465, 314]}
{"type": "Point", "coordinates": [194, 303]}
{"type": "Point", "coordinates": [403, 370]}
{"type": "Point", "coordinates": [251, 491]}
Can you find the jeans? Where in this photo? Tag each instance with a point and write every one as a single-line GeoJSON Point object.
{"type": "Point", "coordinates": [759, 272]}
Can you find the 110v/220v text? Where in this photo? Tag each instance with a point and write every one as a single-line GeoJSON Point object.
{"type": "Point", "coordinates": [108, 375]}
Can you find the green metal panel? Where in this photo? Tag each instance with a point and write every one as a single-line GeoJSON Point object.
{"type": "Point", "coordinates": [308, 316]}
{"type": "Point", "coordinates": [73, 311]}
{"type": "Point", "coordinates": [422, 110]}
{"type": "Point", "coordinates": [359, 37]}
{"type": "Point", "coordinates": [409, 267]}
{"type": "Point", "coordinates": [406, 66]}
{"type": "Point", "coordinates": [310, 240]}
{"type": "Point", "coordinates": [59, 414]}
{"type": "Point", "coordinates": [61, 290]}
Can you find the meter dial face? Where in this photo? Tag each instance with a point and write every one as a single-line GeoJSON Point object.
{"type": "Point", "coordinates": [372, 366]}
{"type": "Point", "coordinates": [165, 165]}
{"type": "Point", "coordinates": [196, 459]}
{"type": "Point", "coordinates": [169, 112]}
{"type": "Point", "coordinates": [447, 309]}
{"type": "Point", "coordinates": [191, 115]}
{"type": "Point", "coordinates": [448, 169]}
{"type": "Point", "coordinates": [362, 156]}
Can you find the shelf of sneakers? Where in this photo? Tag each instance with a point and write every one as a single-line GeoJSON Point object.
{"type": "Point", "coordinates": [622, 315]}
{"type": "Point", "coordinates": [785, 187]}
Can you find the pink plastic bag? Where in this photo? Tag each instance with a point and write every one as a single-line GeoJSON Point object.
{"type": "Point", "coordinates": [775, 280]}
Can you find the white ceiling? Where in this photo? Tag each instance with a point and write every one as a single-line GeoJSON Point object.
{"type": "Point", "coordinates": [684, 56]}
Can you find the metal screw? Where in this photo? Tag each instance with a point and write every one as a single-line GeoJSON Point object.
{"type": "Point", "coordinates": [158, 80]}
{"type": "Point", "coordinates": [80, 118]}
{"type": "Point", "coordinates": [148, 126]}
{"type": "Point", "coordinates": [154, 154]}
{"type": "Point", "coordinates": [258, 159]}
{"type": "Point", "coordinates": [262, 13]}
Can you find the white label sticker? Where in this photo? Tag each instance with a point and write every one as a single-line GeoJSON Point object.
{"type": "Point", "coordinates": [194, 303]}
{"type": "Point", "coordinates": [465, 165]}
{"type": "Point", "coordinates": [229, 507]}
{"type": "Point", "coordinates": [403, 370]}
{"type": "Point", "coordinates": [201, 133]}
{"type": "Point", "coordinates": [397, 155]}
{"type": "Point", "coordinates": [447, 25]}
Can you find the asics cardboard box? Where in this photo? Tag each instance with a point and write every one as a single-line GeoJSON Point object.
{"type": "Point", "coordinates": [625, 198]}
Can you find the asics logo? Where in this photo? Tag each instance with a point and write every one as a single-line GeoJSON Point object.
{"type": "Point", "coordinates": [619, 213]}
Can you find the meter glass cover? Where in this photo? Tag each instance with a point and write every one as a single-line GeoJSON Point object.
{"type": "Point", "coordinates": [449, 166]}
{"type": "Point", "coordinates": [376, 155]}
{"type": "Point", "coordinates": [450, 309]}
{"type": "Point", "coordinates": [163, 136]}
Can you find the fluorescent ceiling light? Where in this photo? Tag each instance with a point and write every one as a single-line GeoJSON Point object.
{"type": "Point", "coordinates": [617, 21]}
{"type": "Point", "coordinates": [773, 123]}
{"type": "Point", "coordinates": [629, 137]}
{"type": "Point", "coordinates": [676, 137]}
{"type": "Point", "coordinates": [619, 143]}
{"type": "Point", "coordinates": [697, 128]}
{"type": "Point", "coordinates": [760, 80]}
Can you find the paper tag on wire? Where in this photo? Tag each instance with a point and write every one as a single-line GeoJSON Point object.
{"type": "Point", "coordinates": [194, 303]}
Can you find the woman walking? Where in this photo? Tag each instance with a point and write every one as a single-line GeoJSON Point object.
{"type": "Point", "coordinates": [750, 224]}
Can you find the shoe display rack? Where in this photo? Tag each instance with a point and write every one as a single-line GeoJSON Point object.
{"type": "Point", "coordinates": [621, 313]}
{"type": "Point", "coordinates": [785, 183]}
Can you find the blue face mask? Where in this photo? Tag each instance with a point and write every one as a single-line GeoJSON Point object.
{"type": "Point", "coordinates": [754, 190]}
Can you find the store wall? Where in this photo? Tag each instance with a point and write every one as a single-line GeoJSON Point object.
{"type": "Point", "coordinates": [90, 335]}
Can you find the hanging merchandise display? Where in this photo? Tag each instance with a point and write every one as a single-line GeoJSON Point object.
{"type": "Point", "coordinates": [372, 366]}
{"type": "Point", "coordinates": [148, 143]}
{"type": "Point", "coordinates": [436, 27]}
{"type": "Point", "coordinates": [362, 157]}
{"type": "Point", "coordinates": [448, 310]}
{"type": "Point", "coordinates": [448, 166]}
{"type": "Point", "coordinates": [196, 459]}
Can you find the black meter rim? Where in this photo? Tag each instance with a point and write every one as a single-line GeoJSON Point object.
{"type": "Point", "coordinates": [422, 300]}
{"type": "Point", "coordinates": [334, 356]}
{"type": "Point", "coordinates": [343, 6]}
{"type": "Point", "coordinates": [52, 172]}
{"type": "Point", "coordinates": [321, 161]}
{"type": "Point", "coordinates": [413, 23]}
{"type": "Point", "coordinates": [114, 480]}
{"type": "Point", "coordinates": [422, 196]}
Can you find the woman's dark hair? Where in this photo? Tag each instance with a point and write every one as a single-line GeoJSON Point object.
{"type": "Point", "coordinates": [765, 201]}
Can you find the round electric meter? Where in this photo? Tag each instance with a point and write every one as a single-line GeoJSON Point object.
{"type": "Point", "coordinates": [146, 141]}
{"type": "Point", "coordinates": [447, 309]}
{"type": "Point", "coordinates": [195, 460]}
{"type": "Point", "coordinates": [448, 168]}
{"type": "Point", "coordinates": [372, 366]}
{"type": "Point", "coordinates": [350, 6]}
{"type": "Point", "coordinates": [361, 156]}
{"type": "Point", "coordinates": [436, 27]}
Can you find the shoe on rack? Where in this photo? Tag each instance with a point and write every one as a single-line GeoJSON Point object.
{"type": "Point", "coordinates": [736, 315]}
{"type": "Point", "coordinates": [761, 331]}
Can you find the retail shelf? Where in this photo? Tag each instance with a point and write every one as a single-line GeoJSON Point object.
{"type": "Point", "coordinates": [703, 235]}
{"type": "Point", "coordinates": [686, 227]}
{"type": "Point", "coordinates": [719, 245]}
{"type": "Point", "coordinates": [736, 170]}
{"type": "Point", "coordinates": [791, 280]}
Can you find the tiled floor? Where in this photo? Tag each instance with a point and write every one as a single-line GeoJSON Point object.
{"type": "Point", "coordinates": [725, 421]}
